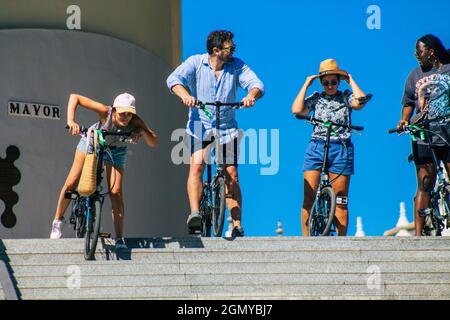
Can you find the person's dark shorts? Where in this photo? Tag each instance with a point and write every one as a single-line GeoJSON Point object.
{"type": "Point", "coordinates": [340, 157]}
{"type": "Point", "coordinates": [230, 150]}
{"type": "Point", "coordinates": [422, 154]}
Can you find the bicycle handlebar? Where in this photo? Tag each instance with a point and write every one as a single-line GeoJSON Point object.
{"type": "Point", "coordinates": [365, 99]}
{"type": "Point", "coordinates": [312, 119]}
{"type": "Point", "coordinates": [421, 124]}
{"type": "Point", "coordinates": [234, 105]}
{"type": "Point", "coordinates": [106, 132]}
{"type": "Point", "coordinates": [398, 130]}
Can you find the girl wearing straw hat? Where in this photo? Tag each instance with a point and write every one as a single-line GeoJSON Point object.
{"type": "Point", "coordinates": [329, 105]}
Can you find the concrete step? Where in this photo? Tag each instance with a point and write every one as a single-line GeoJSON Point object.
{"type": "Point", "coordinates": [181, 292]}
{"type": "Point", "coordinates": [221, 255]}
{"type": "Point", "coordinates": [98, 281]}
{"type": "Point", "coordinates": [254, 267]}
{"type": "Point", "coordinates": [34, 246]}
{"type": "Point", "coordinates": [243, 268]}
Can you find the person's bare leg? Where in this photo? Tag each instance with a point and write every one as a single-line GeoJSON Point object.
{"type": "Point", "coordinates": [194, 182]}
{"type": "Point", "coordinates": [426, 178]}
{"type": "Point", "coordinates": [341, 187]}
{"type": "Point", "coordinates": [115, 179]}
{"type": "Point", "coordinates": [311, 181]}
{"type": "Point", "coordinates": [234, 204]}
{"type": "Point", "coordinates": [70, 184]}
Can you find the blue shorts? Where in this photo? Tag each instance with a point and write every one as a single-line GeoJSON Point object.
{"type": "Point", "coordinates": [113, 155]}
{"type": "Point", "coordinates": [338, 161]}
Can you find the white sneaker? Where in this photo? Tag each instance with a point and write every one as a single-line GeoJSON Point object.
{"type": "Point", "coordinates": [57, 227]}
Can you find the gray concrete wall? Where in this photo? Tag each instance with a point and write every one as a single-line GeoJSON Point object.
{"type": "Point", "coordinates": [45, 66]}
{"type": "Point", "coordinates": [154, 25]}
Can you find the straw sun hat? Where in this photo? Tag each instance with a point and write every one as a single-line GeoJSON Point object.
{"type": "Point", "coordinates": [329, 67]}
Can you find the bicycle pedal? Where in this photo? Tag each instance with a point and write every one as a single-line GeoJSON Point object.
{"type": "Point", "coordinates": [71, 195]}
{"type": "Point", "coordinates": [194, 230]}
{"type": "Point", "coordinates": [104, 235]}
{"type": "Point", "coordinates": [425, 212]}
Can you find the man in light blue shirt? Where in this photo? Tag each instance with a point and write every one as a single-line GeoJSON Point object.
{"type": "Point", "coordinates": [210, 77]}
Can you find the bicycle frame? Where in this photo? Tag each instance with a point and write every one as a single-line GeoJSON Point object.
{"type": "Point", "coordinates": [438, 208]}
{"type": "Point", "coordinates": [220, 167]}
{"type": "Point", "coordinates": [325, 180]}
{"type": "Point", "coordinates": [92, 204]}
{"type": "Point", "coordinates": [208, 201]}
{"type": "Point", "coordinates": [321, 217]}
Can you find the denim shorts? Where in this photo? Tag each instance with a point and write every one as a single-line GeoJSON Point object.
{"type": "Point", "coordinates": [338, 161]}
{"type": "Point", "coordinates": [112, 155]}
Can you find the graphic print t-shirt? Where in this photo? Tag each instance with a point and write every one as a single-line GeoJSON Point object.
{"type": "Point", "coordinates": [430, 89]}
{"type": "Point", "coordinates": [335, 108]}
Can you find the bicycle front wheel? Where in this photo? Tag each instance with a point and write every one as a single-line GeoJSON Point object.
{"type": "Point", "coordinates": [92, 231]}
{"type": "Point", "coordinates": [218, 205]}
{"type": "Point", "coordinates": [322, 213]}
{"type": "Point", "coordinates": [205, 212]}
{"type": "Point", "coordinates": [78, 208]}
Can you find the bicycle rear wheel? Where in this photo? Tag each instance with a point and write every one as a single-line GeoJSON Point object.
{"type": "Point", "coordinates": [218, 213]}
{"type": "Point", "coordinates": [92, 230]}
{"type": "Point", "coordinates": [322, 213]}
{"type": "Point", "coordinates": [445, 196]}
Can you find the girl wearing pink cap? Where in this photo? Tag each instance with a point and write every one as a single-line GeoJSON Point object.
{"type": "Point", "coordinates": [121, 116]}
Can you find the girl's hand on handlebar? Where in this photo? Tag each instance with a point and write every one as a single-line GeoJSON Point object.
{"type": "Point", "coordinates": [188, 101]}
{"type": "Point", "coordinates": [134, 137]}
{"type": "Point", "coordinates": [74, 128]}
{"type": "Point", "coordinates": [401, 124]}
{"type": "Point", "coordinates": [248, 102]}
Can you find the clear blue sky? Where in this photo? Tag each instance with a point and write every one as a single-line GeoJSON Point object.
{"type": "Point", "coordinates": [283, 42]}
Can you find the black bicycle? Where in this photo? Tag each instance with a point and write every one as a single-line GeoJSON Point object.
{"type": "Point", "coordinates": [321, 216]}
{"type": "Point", "coordinates": [212, 202]}
{"type": "Point", "coordinates": [438, 210]}
{"type": "Point", "coordinates": [86, 211]}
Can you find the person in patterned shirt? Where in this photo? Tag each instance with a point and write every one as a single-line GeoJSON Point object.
{"type": "Point", "coordinates": [330, 104]}
{"type": "Point", "coordinates": [427, 93]}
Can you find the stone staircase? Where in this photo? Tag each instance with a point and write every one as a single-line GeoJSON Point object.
{"type": "Point", "coordinates": [241, 268]}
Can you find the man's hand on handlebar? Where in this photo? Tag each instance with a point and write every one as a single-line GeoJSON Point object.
{"type": "Point", "coordinates": [248, 101]}
{"type": "Point", "coordinates": [189, 101]}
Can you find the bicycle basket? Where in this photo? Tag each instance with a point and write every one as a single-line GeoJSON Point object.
{"type": "Point", "coordinates": [88, 180]}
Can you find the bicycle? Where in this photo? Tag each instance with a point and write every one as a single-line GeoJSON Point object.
{"type": "Point", "coordinates": [438, 209]}
{"type": "Point", "coordinates": [212, 202]}
{"type": "Point", "coordinates": [321, 216]}
{"type": "Point", "coordinates": [86, 211]}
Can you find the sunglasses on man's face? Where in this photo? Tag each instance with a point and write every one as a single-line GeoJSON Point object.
{"type": "Point", "coordinates": [326, 83]}
{"type": "Point", "coordinates": [230, 49]}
